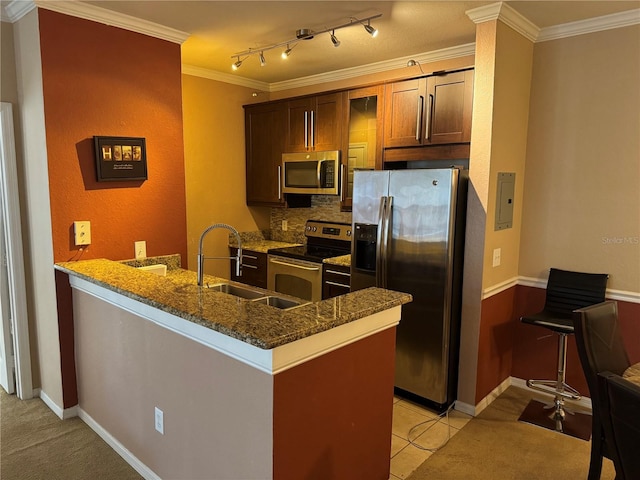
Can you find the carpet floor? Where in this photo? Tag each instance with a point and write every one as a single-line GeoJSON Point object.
{"type": "Point", "coordinates": [496, 446]}
{"type": "Point", "coordinates": [36, 445]}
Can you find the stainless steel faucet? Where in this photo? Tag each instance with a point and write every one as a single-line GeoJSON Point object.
{"type": "Point", "coordinates": [202, 258]}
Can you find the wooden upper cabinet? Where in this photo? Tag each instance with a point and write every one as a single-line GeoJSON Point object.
{"type": "Point", "coordinates": [450, 99]}
{"type": "Point", "coordinates": [265, 133]}
{"type": "Point", "coordinates": [429, 110]}
{"type": "Point", "coordinates": [314, 123]}
{"type": "Point", "coordinates": [362, 128]}
{"type": "Point", "coordinates": [404, 111]}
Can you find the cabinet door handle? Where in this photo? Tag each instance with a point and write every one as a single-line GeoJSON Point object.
{"type": "Point", "coordinates": [419, 116]}
{"type": "Point", "coordinates": [311, 269]}
{"type": "Point", "coordinates": [244, 265]}
{"type": "Point", "coordinates": [252, 257]}
{"type": "Point", "coordinates": [343, 182]}
{"type": "Point", "coordinates": [428, 126]}
{"type": "Point", "coordinates": [279, 182]}
{"type": "Point", "coordinates": [306, 129]}
{"type": "Point", "coordinates": [337, 284]}
{"type": "Point", "coordinates": [335, 272]}
{"type": "Point", "coordinates": [312, 130]}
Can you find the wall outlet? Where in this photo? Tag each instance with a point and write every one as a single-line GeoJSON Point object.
{"type": "Point", "coordinates": [285, 225]}
{"type": "Point", "coordinates": [82, 232]}
{"type": "Point", "coordinates": [140, 249]}
{"type": "Point", "coordinates": [159, 420]}
{"type": "Point", "coordinates": [496, 256]}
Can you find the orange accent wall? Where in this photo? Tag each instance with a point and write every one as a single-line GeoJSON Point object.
{"type": "Point", "coordinates": [495, 340]}
{"type": "Point", "coordinates": [102, 80]}
{"type": "Point", "coordinates": [339, 425]}
{"type": "Point", "coordinates": [508, 347]}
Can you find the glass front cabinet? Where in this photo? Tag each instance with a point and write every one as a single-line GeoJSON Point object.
{"type": "Point", "coordinates": [362, 138]}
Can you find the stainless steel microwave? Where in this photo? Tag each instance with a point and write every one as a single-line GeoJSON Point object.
{"type": "Point", "coordinates": [311, 172]}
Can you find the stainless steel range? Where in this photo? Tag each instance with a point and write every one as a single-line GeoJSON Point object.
{"type": "Point", "coordinates": [297, 271]}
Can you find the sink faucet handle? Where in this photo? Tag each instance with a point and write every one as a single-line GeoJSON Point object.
{"type": "Point", "coordinates": [239, 261]}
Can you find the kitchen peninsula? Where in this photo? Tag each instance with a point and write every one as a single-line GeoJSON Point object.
{"type": "Point", "coordinates": [246, 390]}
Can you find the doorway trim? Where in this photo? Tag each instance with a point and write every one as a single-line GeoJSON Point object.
{"type": "Point", "coordinates": [15, 256]}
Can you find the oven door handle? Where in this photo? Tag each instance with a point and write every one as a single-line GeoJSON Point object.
{"type": "Point", "coordinates": [295, 265]}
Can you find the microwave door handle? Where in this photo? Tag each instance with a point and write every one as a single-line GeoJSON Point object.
{"type": "Point", "coordinates": [319, 173]}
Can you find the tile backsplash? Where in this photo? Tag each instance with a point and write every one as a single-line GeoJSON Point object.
{"type": "Point", "coordinates": [323, 207]}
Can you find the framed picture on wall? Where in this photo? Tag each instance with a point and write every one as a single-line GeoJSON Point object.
{"type": "Point", "coordinates": [120, 158]}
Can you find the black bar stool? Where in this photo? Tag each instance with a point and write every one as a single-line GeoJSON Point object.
{"type": "Point", "coordinates": [566, 291]}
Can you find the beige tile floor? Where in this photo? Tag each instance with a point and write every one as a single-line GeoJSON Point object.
{"type": "Point", "coordinates": [431, 433]}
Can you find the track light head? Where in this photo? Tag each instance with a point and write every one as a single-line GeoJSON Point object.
{"type": "Point", "coordinates": [287, 52]}
{"type": "Point", "coordinates": [237, 64]}
{"type": "Point", "coordinates": [334, 39]}
{"type": "Point", "coordinates": [370, 30]}
{"type": "Point", "coordinates": [263, 61]}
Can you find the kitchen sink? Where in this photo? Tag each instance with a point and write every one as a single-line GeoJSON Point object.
{"type": "Point", "coordinates": [257, 296]}
{"type": "Point", "coordinates": [236, 290]}
{"type": "Point", "coordinates": [279, 302]}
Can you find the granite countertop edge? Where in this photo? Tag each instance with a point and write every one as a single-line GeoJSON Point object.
{"type": "Point", "coordinates": [254, 323]}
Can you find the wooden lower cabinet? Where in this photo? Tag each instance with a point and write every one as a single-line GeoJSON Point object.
{"type": "Point", "coordinates": [254, 268]}
{"type": "Point", "coordinates": [336, 280]}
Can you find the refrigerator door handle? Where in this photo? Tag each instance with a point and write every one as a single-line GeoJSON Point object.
{"type": "Point", "coordinates": [379, 241]}
{"type": "Point", "coordinates": [385, 241]}
{"type": "Point", "coordinates": [382, 243]}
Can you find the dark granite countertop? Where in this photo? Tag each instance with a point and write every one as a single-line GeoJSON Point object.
{"type": "Point", "coordinates": [343, 261]}
{"type": "Point", "coordinates": [255, 323]}
{"type": "Point", "coordinates": [262, 246]}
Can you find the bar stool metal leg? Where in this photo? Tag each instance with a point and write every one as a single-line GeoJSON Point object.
{"type": "Point", "coordinates": [558, 388]}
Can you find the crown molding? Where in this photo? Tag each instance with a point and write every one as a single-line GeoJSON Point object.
{"type": "Point", "coordinates": [507, 15]}
{"type": "Point", "coordinates": [378, 67]}
{"type": "Point", "coordinates": [111, 18]}
{"type": "Point", "coordinates": [422, 58]}
{"type": "Point", "coordinates": [591, 25]}
{"type": "Point", "coordinates": [224, 77]}
{"type": "Point", "coordinates": [15, 10]}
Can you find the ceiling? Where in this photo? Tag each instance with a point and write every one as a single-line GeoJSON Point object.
{"type": "Point", "coordinates": [220, 29]}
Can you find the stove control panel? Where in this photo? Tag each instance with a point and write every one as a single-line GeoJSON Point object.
{"type": "Point", "coordinates": [330, 230]}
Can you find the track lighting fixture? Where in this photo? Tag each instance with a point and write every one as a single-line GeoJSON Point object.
{"type": "Point", "coordinates": [304, 34]}
{"type": "Point", "coordinates": [334, 39]}
{"type": "Point", "coordinates": [370, 30]}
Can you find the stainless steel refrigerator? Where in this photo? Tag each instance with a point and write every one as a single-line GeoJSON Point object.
{"type": "Point", "coordinates": [408, 235]}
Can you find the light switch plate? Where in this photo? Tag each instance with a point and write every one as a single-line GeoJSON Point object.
{"type": "Point", "coordinates": [82, 232]}
{"type": "Point", "coordinates": [141, 250]}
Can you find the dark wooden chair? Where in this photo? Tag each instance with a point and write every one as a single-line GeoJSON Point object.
{"type": "Point", "coordinates": [566, 292]}
{"type": "Point", "coordinates": [601, 348]}
{"type": "Point", "coordinates": [621, 422]}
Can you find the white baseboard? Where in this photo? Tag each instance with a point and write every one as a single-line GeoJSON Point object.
{"type": "Point", "coordinates": [474, 410]}
{"type": "Point", "coordinates": [62, 413]}
{"type": "Point", "coordinates": [120, 449]}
